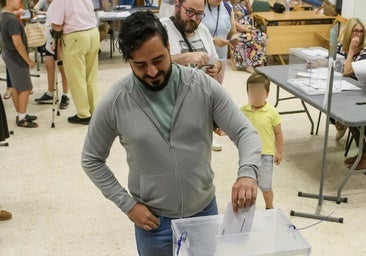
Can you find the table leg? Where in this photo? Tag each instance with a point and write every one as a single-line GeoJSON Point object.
{"type": "Point", "coordinates": [278, 99]}
{"type": "Point", "coordinates": [277, 96]}
{"type": "Point", "coordinates": [309, 116]}
{"type": "Point", "coordinates": [317, 125]}
{"type": "Point", "coordinates": [320, 195]}
{"type": "Point", "coordinates": [281, 59]}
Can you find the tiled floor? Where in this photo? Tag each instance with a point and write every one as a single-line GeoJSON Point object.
{"type": "Point", "coordinates": [58, 211]}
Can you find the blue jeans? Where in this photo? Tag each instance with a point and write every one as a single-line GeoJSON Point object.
{"type": "Point", "coordinates": [159, 242]}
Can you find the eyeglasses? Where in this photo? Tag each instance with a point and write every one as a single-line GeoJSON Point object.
{"type": "Point", "coordinates": [358, 31]}
{"type": "Point", "coordinates": [190, 13]}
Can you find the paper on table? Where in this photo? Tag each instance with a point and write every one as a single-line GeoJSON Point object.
{"type": "Point", "coordinates": [316, 52]}
{"type": "Point", "coordinates": [359, 67]}
{"type": "Point", "coordinates": [347, 86]}
{"type": "Point", "coordinates": [235, 223]}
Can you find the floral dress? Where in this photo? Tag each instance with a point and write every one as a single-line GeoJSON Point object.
{"type": "Point", "coordinates": [251, 49]}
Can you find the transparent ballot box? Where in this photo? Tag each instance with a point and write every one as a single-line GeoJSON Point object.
{"type": "Point", "coordinates": [272, 234]}
{"type": "Point", "coordinates": [308, 70]}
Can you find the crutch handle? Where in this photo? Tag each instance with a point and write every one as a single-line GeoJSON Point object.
{"type": "Point", "coordinates": [56, 34]}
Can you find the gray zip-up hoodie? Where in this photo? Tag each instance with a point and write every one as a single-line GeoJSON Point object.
{"type": "Point", "coordinates": [173, 178]}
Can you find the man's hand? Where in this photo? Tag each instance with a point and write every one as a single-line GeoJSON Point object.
{"type": "Point", "coordinates": [317, 63]}
{"type": "Point", "coordinates": [244, 193]}
{"type": "Point", "coordinates": [142, 217]}
{"type": "Point", "coordinates": [31, 64]}
{"type": "Point", "coordinates": [354, 45]}
{"type": "Point", "coordinates": [220, 42]}
{"type": "Point", "coordinates": [197, 58]}
{"type": "Point", "coordinates": [213, 72]}
{"type": "Point", "coordinates": [234, 40]}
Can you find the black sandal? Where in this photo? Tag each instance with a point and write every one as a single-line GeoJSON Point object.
{"type": "Point", "coordinates": [27, 117]}
{"type": "Point", "coordinates": [27, 124]}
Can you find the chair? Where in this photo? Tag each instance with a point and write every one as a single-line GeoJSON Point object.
{"type": "Point", "coordinates": [298, 8]}
{"type": "Point", "coordinates": [261, 6]}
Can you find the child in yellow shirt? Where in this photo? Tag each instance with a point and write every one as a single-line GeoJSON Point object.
{"type": "Point", "coordinates": [267, 121]}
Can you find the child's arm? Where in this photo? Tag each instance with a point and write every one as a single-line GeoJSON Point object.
{"type": "Point", "coordinates": [279, 143]}
{"type": "Point", "coordinates": [18, 43]}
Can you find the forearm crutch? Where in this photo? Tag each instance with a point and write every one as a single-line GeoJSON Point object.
{"type": "Point", "coordinates": [56, 35]}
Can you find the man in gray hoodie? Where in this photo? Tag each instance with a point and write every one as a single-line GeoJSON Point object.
{"type": "Point", "coordinates": [163, 115]}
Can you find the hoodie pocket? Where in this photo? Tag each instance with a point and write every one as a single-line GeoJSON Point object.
{"type": "Point", "coordinates": [165, 191]}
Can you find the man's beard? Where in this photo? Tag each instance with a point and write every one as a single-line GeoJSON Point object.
{"type": "Point", "coordinates": [188, 26]}
{"type": "Point", "coordinates": [155, 87]}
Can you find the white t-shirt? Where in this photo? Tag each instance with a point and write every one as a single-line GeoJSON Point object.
{"type": "Point", "coordinates": [359, 67]}
{"type": "Point", "coordinates": [201, 41]}
{"type": "Point", "coordinates": [42, 5]}
{"type": "Point", "coordinates": [166, 8]}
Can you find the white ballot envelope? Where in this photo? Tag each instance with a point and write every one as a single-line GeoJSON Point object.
{"type": "Point", "coordinates": [239, 222]}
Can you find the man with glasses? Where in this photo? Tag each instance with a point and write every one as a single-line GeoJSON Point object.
{"type": "Point", "coordinates": [163, 115]}
{"type": "Point", "coordinates": [191, 43]}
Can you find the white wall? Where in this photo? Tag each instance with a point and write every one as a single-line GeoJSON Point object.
{"type": "Point", "coordinates": [155, 2]}
{"type": "Point", "coordinates": [354, 9]}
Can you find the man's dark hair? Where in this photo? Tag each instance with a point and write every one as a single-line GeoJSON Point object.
{"type": "Point", "coordinates": [136, 29]}
{"type": "Point", "coordinates": [2, 3]}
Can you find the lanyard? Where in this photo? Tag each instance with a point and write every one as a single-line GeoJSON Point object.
{"type": "Point", "coordinates": [182, 33]}
{"type": "Point", "coordinates": [218, 17]}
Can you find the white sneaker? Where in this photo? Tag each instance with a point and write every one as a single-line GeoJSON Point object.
{"type": "Point", "coordinates": [215, 145]}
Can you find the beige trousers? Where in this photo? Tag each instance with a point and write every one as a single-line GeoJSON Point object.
{"type": "Point", "coordinates": [80, 59]}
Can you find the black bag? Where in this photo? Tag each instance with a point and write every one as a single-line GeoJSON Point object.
{"type": "Point", "coordinates": [279, 8]}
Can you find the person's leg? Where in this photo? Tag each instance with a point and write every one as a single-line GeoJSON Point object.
{"type": "Point", "coordinates": [268, 198]}
{"type": "Point", "coordinates": [341, 130]}
{"type": "Point", "coordinates": [356, 136]}
{"type": "Point", "coordinates": [9, 87]}
{"type": "Point", "coordinates": [265, 179]}
{"type": "Point", "coordinates": [65, 85]}
{"type": "Point", "coordinates": [47, 97]}
{"type": "Point", "coordinates": [159, 242]}
{"type": "Point", "coordinates": [8, 81]}
{"type": "Point", "coordinates": [91, 61]}
{"type": "Point", "coordinates": [20, 77]}
{"type": "Point", "coordinates": [64, 103]}
{"type": "Point", "coordinates": [15, 98]}
{"type": "Point", "coordinates": [50, 68]}
{"type": "Point", "coordinates": [74, 49]}
{"type": "Point", "coordinates": [349, 161]}
{"type": "Point", "coordinates": [20, 100]}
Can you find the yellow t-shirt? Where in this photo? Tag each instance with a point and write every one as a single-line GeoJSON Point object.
{"type": "Point", "coordinates": [264, 120]}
